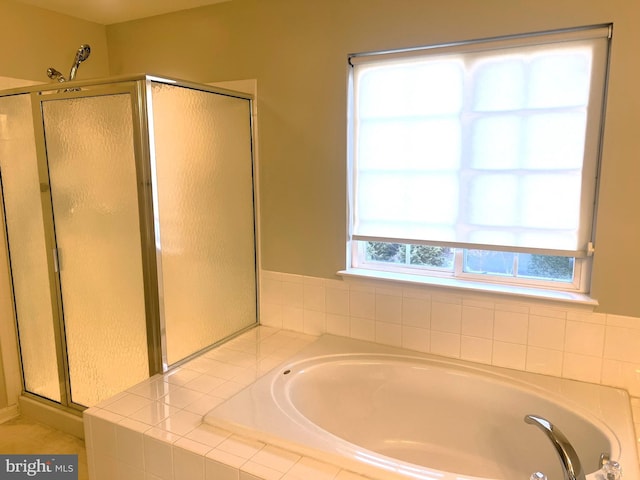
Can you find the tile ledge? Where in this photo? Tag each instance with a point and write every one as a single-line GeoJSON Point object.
{"type": "Point", "coordinates": [453, 284]}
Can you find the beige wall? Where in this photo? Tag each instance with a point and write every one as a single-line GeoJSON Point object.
{"type": "Point", "coordinates": [32, 40]}
{"type": "Point", "coordinates": [297, 50]}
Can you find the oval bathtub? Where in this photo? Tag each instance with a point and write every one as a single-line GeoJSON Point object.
{"type": "Point", "coordinates": [391, 413]}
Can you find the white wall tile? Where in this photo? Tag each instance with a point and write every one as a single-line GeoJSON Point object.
{"type": "Point", "coordinates": [363, 329]}
{"type": "Point", "coordinates": [103, 431]}
{"type": "Point", "coordinates": [338, 324]}
{"type": "Point", "coordinates": [445, 344]}
{"type": "Point", "coordinates": [158, 457]}
{"type": "Point", "coordinates": [584, 338]}
{"type": "Point", "coordinates": [106, 467]}
{"type": "Point", "coordinates": [127, 472]}
{"type": "Point", "coordinates": [545, 311]}
{"type": "Point", "coordinates": [270, 274]}
{"type": "Point", "coordinates": [446, 317]}
{"type": "Point", "coordinates": [587, 316]}
{"type": "Point", "coordinates": [544, 360]}
{"type": "Point", "coordinates": [511, 327]}
{"type": "Point", "coordinates": [584, 368]}
{"type": "Point", "coordinates": [388, 334]}
{"type": "Point", "coordinates": [337, 301]}
{"type": "Point", "coordinates": [215, 470]}
{"type": "Point", "coordinates": [315, 281]}
{"type": "Point", "coordinates": [546, 332]}
{"type": "Point", "coordinates": [148, 476]}
{"type": "Point", "coordinates": [271, 289]}
{"type": "Point", "coordinates": [293, 294]}
{"type": "Point", "coordinates": [416, 312]}
{"type": "Point", "coordinates": [477, 322]}
{"type": "Point", "coordinates": [293, 318]}
{"type": "Point", "coordinates": [623, 321]}
{"type": "Point", "coordinates": [478, 301]}
{"type": "Point", "coordinates": [187, 465]}
{"type": "Point", "coordinates": [415, 338]}
{"type": "Point", "coordinates": [271, 314]}
{"type": "Point", "coordinates": [314, 323]}
{"type": "Point", "coordinates": [621, 343]}
{"type": "Point", "coordinates": [130, 445]}
{"type": "Point", "coordinates": [509, 355]}
{"type": "Point", "coordinates": [416, 292]}
{"type": "Point", "coordinates": [388, 308]}
{"type": "Point", "coordinates": [362, 304]}
{"type": "Point", "coordinates": [314, 297]}
{"type": "Point", "coordinates": [622, 374]}
{"type": "Point", "coordinates": [512, 307]}
{"type": "Point", "coordinates": [476, 349]}
{"type": "Point", "coordinates": [446, 298]}
{"type": "Point", "coordinates": [292, 278]}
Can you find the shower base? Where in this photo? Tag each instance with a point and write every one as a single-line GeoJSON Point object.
{"type": "Point", "coordinates": [54, 417]}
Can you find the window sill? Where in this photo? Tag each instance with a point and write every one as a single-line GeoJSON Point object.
{"type": "Point", "coordinates": [476, 287]}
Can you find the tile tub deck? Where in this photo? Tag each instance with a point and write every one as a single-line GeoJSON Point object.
{"type": "Point", "coordinates": [154, 430]}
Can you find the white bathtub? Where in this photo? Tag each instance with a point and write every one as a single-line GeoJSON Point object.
{"type": "Point", "coordinates": [391, 413]}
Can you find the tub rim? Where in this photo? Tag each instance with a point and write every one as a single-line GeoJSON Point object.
{"type": "Point", "coordinates": [331, 346]}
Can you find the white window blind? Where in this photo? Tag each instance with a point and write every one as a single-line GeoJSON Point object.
{"type": "Point", "coordinates": [490, 145]}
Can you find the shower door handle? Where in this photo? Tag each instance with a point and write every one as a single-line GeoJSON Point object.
{"type": "Point", "coordinates": [56, 260]}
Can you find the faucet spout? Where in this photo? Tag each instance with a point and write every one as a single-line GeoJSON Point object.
{"type": "Point", "coordinates": [568, 456]}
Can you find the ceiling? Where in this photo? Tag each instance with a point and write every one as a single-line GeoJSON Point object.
{"type": "Point", "coordinates": [107, 12]}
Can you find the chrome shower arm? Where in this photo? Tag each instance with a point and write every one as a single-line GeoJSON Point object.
{"type": "Point", "coordinates": [54, 74]}
{"type": "Point", "coordinates": [568, 456]}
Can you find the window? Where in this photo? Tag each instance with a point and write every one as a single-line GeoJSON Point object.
{"type": "Point", "coordinates": [479, 160]}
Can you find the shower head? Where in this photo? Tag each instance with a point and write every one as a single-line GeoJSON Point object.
{"type": "Point", "coordinates": [81, 55]}
{"type": "Point", "coordinates": [54, 74]}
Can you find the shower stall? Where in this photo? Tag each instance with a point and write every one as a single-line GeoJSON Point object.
{"type": "Point", "coordinates": [130, 224]}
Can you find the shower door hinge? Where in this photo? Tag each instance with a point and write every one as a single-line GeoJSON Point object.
{"type": "Point", "coordinates": [56, 261]}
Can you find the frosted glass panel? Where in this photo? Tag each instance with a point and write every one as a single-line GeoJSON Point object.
{"type": "Point", "coordinates": [205, 207]}
{"type": "Point", "coordinates": [27, 247]}
{"type": "Point", "coordinates": [94, 194]}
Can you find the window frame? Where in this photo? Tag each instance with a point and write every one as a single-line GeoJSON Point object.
{"type": "Point", "coordinates": [356, 256]}
{"type": "Point", "coordinates": [579, 283]}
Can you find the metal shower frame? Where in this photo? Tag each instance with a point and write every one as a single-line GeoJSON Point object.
{"type": "Point", "coordinates": [139, 89]}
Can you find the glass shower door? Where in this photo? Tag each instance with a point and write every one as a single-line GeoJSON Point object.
{"type": "Point", "coordinates": [207, 255]}
{"type": "Point", "coordinates": [94, 198]}
{"type": "Point", "coordinates": [32, 289]}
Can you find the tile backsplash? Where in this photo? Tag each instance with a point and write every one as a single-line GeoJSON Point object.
{"type": "Point", "coordinates": [551, 338]}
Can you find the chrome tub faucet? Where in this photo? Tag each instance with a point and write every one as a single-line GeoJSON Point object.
{"type": "Point", "coordinates": [568, 457]}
